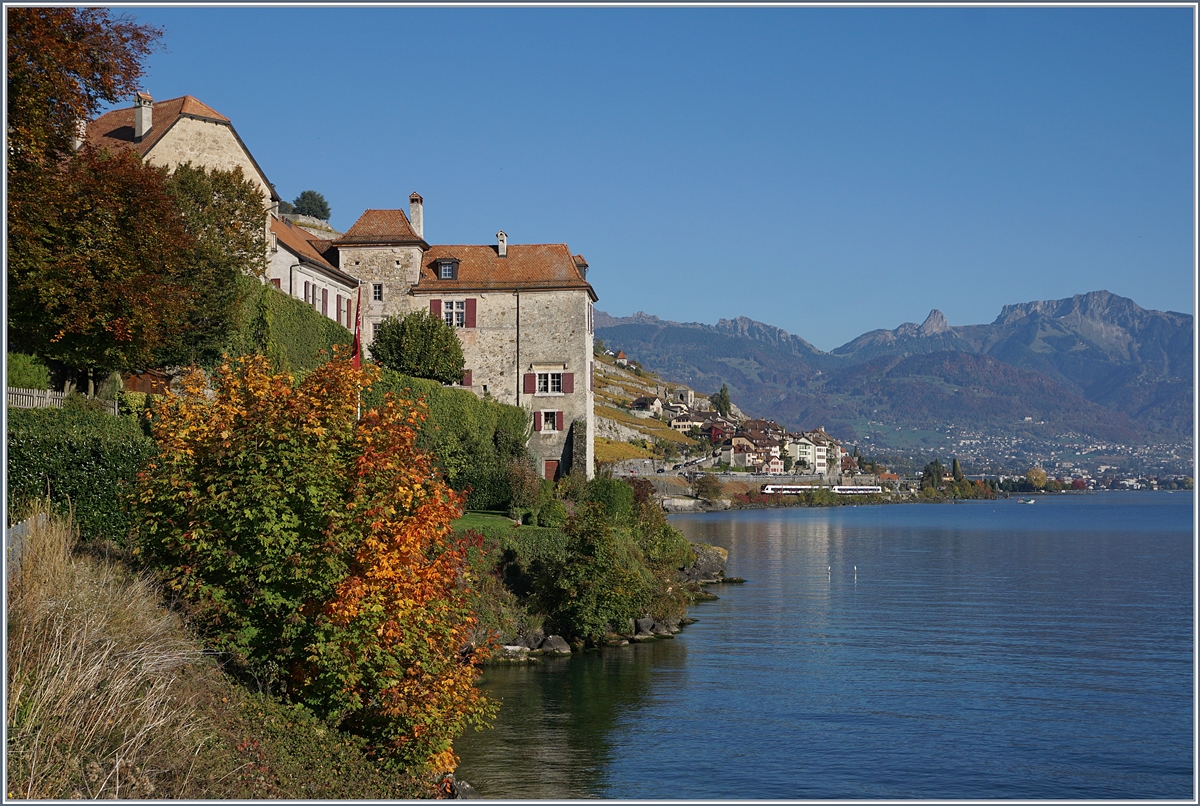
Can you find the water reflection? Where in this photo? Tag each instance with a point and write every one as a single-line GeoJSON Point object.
{"type": "Point", "coordinates": [552, 738]}
{"type": "Point", "coordinates": [984, 651]}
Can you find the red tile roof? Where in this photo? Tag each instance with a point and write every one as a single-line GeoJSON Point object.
{"type": "Point", "coordinates": [292, 238]}
{"type": "Point", "coordinates": [114, 130]}
{"type": "Point", "coordinates": [527, 266]}
{"type": "Point", "coordinates": [380, 227]}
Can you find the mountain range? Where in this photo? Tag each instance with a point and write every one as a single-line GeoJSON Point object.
{"type": "Point", "coordinates": [1095, 364]}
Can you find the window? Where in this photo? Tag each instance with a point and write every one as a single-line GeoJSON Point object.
{"type": "Point", "coordinates": [374, 330]}
{"type": "Point", "coordinates": [377, 292]}
{"type": "Point", "coordinates": [549, 421]}
{"type": "Point", "coordinates": [447, 269]}
{"type": "Point", "coordinates": [455, 313]}
{"type": "Point", "coordinates": [549, 383]}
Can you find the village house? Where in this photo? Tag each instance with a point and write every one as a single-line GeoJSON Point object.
{"type": "Point", "coordinates": [178, 131]}
{"type": "Point", "coordinates": [296, 267]}
{"type": "Point", "coordinates": [523, 313]}
{"type": "Point", "coordinates": [646, 406]}
{"type": "Point", "coordinates": [684, 423]}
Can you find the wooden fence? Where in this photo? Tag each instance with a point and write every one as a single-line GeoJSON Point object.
{"type": "Point", "coordinates": [44, 399]}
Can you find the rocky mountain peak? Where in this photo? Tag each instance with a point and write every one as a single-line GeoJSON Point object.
{"type": "Point", "coordinates": [934, 323]}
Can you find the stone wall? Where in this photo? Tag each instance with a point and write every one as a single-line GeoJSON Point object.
{"type": "Point", "coordinates": [396, 267]}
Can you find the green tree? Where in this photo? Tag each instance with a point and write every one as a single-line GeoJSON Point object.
{"type": "Point", "coordinates": [311, 203]}
{"type": "Point", "coordinates": [721, 401]}
{"type": "Point", "coordinates": [956, 470]}
{"type": "Point", "coordinates": [223, 212]}
{"type": "Point", "coordinates": [707, 486]}
{"type": "Point", "coordinates": [420, 345]}
{"type": "Point", "coordinates": [932, 475]}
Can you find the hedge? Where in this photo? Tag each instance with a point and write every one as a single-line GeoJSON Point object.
{"type": "Point", "coordinates": [27, 372]}
{"type": "Point", "coordinates": [289, 332]}
{"type": "Point", "coordinates": [89, 460]}
{"type": "Point", "coordinates": [471, 439]}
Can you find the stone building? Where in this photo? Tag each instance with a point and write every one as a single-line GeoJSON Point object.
{"type": "Point", "coordinates": [177, 131]}
{"type": "Point", "coordinates": [523, 313]}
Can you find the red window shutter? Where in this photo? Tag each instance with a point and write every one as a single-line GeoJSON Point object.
{"type": "Point", "coordinates": [307, 291]}
{"type": "Point", "coordinates": [558, 421]}
{"type": "Point", "coordinates": [568, 382]}
{"type": "Point", "coordinates": [470, 317]}
{"type": "Point", "coordinates": [275, 281]}
{"type": "Point", "coordinates": [324, 302]}
{"type": "Point", "coordinates": [435, 308]}
{"type": "Point", "coordinates": [466, 377]}
{"type": "Point", "coordinates": [537, 421]}
{"type": "Point", "coordinates": [339, 309]}
{"type": "Point", "coordinates": [530, 383]}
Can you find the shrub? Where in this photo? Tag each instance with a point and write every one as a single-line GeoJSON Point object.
{"type": "Point", "coordinates": [552, 514]}
{"type": "Point", "coordinates": [421, 345]}
{"type": "Point", "coordinates": [599, 581]}
{"type": "Point", "coordinates": [613, 495]}
{"type": "Point", "coordinates": [316, 551]}
{"type": "Point", "coordinates": [27, 372]}
{"type": "Point", "coordinates": [87, 461]}
{"type": "Point", "coordinates": [708, 487]}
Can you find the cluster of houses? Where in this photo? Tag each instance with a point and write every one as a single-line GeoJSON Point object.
{"type": "Point", "coordinates": [761, 446]}
{"type": "Point", "coordinates": [523, 312]}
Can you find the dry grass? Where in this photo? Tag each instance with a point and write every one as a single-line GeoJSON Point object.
{"type": "Point", "coordinates": [92, 661]}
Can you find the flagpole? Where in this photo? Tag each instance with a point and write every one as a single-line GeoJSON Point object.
{"type": "Point", "coordinates": [356, 354]}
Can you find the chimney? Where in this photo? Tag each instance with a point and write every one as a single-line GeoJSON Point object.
{"type": "Point", "coordinates": [416, 214]}
{"type": "Point", "coordinates": [80, 135]}
{"type": "Point", "coordinates": [502, 243]}
{"type": "Point", "coordinates": [143, 116]}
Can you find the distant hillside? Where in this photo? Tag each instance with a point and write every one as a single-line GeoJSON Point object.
{"type": "Point", "coordinates": [1096, 361]}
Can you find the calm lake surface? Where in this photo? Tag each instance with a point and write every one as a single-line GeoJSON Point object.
{"type": "Point", "coordinates": [983, 650]}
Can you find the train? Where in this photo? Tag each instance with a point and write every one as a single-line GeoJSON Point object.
{"type": "Point", "coordinates": [840, 489]}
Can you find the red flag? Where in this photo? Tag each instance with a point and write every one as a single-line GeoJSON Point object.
{"type": "Point", "coordinates": [356, 355]}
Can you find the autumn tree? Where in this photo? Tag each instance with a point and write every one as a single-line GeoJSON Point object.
{"type": "Point", "coordinates": [63, 65]}
{"type": "Point", "coordinates": [315, 551]}
{"type": "Point", "coordinates": [420, 345]}
{"type": "Point", "coordinates": [100, 281]}
{"type": "Point", "coordinates": [1037, 477]}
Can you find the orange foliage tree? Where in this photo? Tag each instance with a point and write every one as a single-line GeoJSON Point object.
{"type": "Point", "coordinates": [316, 551]}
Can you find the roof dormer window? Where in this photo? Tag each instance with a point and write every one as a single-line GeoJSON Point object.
{"type": "Point", "coordinates": [447, 269]}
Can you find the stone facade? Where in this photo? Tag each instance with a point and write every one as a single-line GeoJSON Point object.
{"type": "Point", "coordinates": [523, 313]}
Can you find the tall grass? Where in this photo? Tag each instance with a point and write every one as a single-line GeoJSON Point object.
{"type": "Point", "coordinates": [93, 659]}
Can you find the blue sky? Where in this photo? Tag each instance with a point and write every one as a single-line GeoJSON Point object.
{"type": "Point", "coordinates": [825, 170]}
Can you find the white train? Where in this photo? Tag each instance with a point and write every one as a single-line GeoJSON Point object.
{"type": "Point", "coordinates": [840, 489]}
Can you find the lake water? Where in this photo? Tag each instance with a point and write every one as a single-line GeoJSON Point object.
{"type": "Point", "coordinates": [982, 650]}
